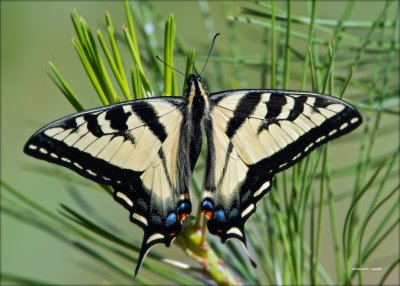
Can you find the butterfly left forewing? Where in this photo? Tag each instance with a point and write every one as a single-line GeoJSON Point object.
{"type": "Point", "coordinates": [254, 134]}
{"type": "Point", "coordinates": [134, 147]}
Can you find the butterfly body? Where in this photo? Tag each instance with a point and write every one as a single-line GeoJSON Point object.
{"type": "Point", "coordinates": [147, 149]}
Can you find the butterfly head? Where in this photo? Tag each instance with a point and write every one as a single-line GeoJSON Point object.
{"type": "Point", "coordinates": [193, 81]}
{"type": "Point", "coordinates": [192, 78]}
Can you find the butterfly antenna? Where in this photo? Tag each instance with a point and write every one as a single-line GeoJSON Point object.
{"type": "Point", "coordinates": [212, 45]}
{"type": "Point", "coordinates": [158, 58]}
{"type": "Point", "coordinates": [194, 68]}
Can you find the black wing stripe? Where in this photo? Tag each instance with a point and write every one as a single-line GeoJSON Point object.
{"type": "Point", "coordinates": [93, 124]}
{"type": "Point", "coordinates": [297, 108]}
{"type": "Point", "coordinates": [165, 168]}
{"type": "Point", "coordinates": [245, 108]}
{"type": "Point", "coordinates": [227, 160]}
{"type": "Point", "coordinates": [118, 119]}
{"type": "Point", "coordinates": [275, 104]}
{"type": "Point", "coordinates": [148, 115]}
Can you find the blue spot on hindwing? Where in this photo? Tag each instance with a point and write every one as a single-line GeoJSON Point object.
{"type": "Point", "coordinates": [207, 205]}
{"type": "Point", "coordinates": [182, 208]}
{"type": "Point", "coordinates": [171, 219]}
{"type": "Point", "coordinates": [219, 215]}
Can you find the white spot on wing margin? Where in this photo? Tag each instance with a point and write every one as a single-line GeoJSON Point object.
{"type": "Point", "coordinates": [235, 230]}
{"type": "Point", "coordinates": [154, 237]}
{"type": "Point", "coordinates": [344, 125]}
{"type": "Point", "coordinates": [261, 189]}
{"type": "Point", "coordinates": [247, 210]}
{"type": "Point", "coordinates": [42, 150]}
{"type": "Point", "coordinates": [66, 160]}
{"type": "Point", "coordinates": [354, 120]}
{"type": "Point", "coordinates": [139, 218]}
{"type": "Point", "coordinates": [125, 198]}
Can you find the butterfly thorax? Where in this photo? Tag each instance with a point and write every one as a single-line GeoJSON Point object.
{"type": "Point", "coordinates": [196, 99]}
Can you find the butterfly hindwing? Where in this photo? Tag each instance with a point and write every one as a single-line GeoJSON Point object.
{"type": "Point", "coordinates": [254, 134]}
{"type": "Point", "coordinates": [134, 147]}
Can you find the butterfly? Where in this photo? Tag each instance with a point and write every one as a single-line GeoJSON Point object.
{"type": "Point", "coordinates": [146, 151]}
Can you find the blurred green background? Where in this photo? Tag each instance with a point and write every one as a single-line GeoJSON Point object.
{"type": "Point", "coordinates": [35, 32]}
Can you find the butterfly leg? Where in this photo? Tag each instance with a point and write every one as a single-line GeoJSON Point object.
{"type": "Point", "coordinates": [203, 232]}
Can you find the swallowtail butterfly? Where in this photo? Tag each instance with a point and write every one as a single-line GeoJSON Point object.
{"type": "Point", "coordinates": [146, 151]}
